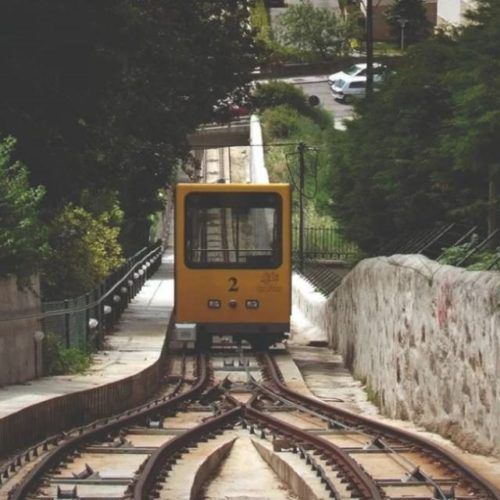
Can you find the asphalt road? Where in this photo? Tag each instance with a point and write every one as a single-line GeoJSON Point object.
{"type": "Point", "coordinates": [316, 86]}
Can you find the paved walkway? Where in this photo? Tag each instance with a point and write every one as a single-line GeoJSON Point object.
{"type": "Point", "coordinates": [133, 346]}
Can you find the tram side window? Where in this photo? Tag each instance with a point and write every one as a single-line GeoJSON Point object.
{"type": "Point", "coordinates": [233, 230]}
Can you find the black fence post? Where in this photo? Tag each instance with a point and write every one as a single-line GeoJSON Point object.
{"type": "Point", "coordinates": [66, 324]}
{"type": "Point", "coordinates": [87, 319]}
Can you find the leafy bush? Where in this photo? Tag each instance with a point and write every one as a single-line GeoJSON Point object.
{"type": "Point", "coordinates": [22, 236]}
{"type": "Point", "coordinates": [84, 250]}
{"type": "Point", "coordinates": [480, 261]}
{"type": "Point", "coordinates": [281, 122]}
{"type": "Point", "coordinates": [59, 360]}
{"type": "Point", "coordinates": [452, 255]}
{"type": "Point", "coordinates": [277, 93]}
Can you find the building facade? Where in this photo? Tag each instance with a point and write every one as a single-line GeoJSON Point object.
{"type": "Point", "coordinates": [451, 12]}
{"type": "Point", "coordinates": [381, 31]}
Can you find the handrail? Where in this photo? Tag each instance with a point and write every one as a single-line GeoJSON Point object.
{"type": "Point", "coordinates": [59, 312]}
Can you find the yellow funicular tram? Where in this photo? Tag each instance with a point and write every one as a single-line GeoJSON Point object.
{"type": "Point", "coordinates": [233, 262]}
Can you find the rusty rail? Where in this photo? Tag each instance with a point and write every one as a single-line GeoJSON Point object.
{"type": "Point", "coordinates": [54, 457]}
{"type": "Point", "coordinates": [350, 469]}
{"type": "Point", "coordinates": [149, 476]}
{"type": "Point", "coordinates": [381, 428]}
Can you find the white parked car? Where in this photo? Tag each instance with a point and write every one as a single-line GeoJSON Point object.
{"type": "Point", "coordinates": [358, 69]}
{"type": "Point", "coordinates": [349, 89]}
{"type": "Point", "coordinates": [351, 83]}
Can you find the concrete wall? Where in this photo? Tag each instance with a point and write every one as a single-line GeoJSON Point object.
{"type": "Point", "coordinates": [258, 171]}
{"type": "Point", "coordinates": [426, 338]}
{"type": "Point", "coordinates": [17, 345]}
{"type": "Point", "coordinates": [452, 11]}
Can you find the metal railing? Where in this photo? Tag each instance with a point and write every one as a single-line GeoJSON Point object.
{"type": "Point", "coordinates": [81, 321]}
{"type": "Point", "coordinates": [323, 243]}
{"type": "Point", "coordinates": [325, 251]}
{"type": "Point", "coordinates": [325, 255]}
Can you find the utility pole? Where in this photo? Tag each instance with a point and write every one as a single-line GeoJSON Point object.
{"type": "Point", "coordinates": [492, 210]}
{"type": "Point", "coordinates": [302, 174]}
{"type": "Point", "coordinates": [369, 48]}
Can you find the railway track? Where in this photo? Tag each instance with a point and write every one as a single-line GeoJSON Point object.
{"type": "Point", "coordinates": [235, 402]}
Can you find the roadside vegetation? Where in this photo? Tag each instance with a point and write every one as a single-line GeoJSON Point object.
{"type": "Point", "coordinates": [288, 119]}
{"type": "Point", "coordinates": [60, 360]}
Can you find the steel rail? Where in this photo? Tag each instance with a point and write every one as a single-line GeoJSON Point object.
{"type": "Point", "coordinates": [450, 460]}
{"type": "Point", "coordinates": [405, 463]}
{"type": "Point", "coordinates": [159, 459]}
{"type": "Point", "coordinates": [351, 470]}
{"type": "Point", "coordinates": [55, 456]}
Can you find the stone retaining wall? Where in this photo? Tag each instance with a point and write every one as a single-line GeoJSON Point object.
{"type": "Point", "coordinates": [426, 338]}
{"type": "Point", "coordinates": [48, 418]}
{"type": "Point", "coordinates": [17, 344]}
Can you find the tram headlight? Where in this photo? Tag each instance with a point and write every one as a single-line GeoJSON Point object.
{"type": "Point", "coordinates": [213, 303]}
{"type": "Point", "coordinates": [252, 304]}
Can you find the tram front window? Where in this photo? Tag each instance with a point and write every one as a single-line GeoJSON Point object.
{"type": "Point", "coordinates": [233, 230]}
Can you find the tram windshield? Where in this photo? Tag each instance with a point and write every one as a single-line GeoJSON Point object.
{"type": "Point", "coordinates": [233, 230]}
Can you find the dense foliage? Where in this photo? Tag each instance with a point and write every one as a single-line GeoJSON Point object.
{"type": "Point", "coordinates": [22, 236]}
{"type": "Point", "coordinates": [422, 150]}
{"type": "Point", "coordinates": [101, 96]}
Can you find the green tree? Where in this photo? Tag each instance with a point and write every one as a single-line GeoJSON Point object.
{"type": "Point", "coordinates": [424, 149]}
{"type": "Point", "coordinates": [389, 175]}
{"type": "Point", "coordinates": [408, 18]}
{"type": "Point", "coordinates": [315, 32]}
{"type": "Point", "coordinates": [85, 250]}
{"type": "Point", "coordinates": [22, 236]}
{"type": "Point", "coordinates": [472, 135]}
{"type": "Point", "coordinates": [260, 21]}
{"type": "Point", "coordinates": [101, 95]}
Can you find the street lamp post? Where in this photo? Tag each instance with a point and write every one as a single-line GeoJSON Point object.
{"type": "Point", "coordinates": [402, 22]}
{"type": "Point", "coordinates": [38, 336]}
